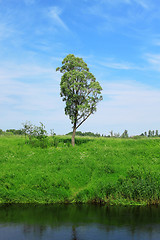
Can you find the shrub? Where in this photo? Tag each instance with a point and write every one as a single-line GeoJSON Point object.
{"type": "Point", "coordinates": [37, 135]}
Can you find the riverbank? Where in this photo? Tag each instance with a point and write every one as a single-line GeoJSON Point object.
{"type": "Point", "coordinates": [96, 170]}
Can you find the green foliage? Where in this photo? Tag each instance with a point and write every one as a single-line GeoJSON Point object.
{"type": "Point", "coordinates": [1, 131]}
{"type": "Point", "coordinates": [15, 132]}
{"type": "Point", "coordinates": [12, 132]}
{"type": "Point", "coordinates": [28, 129]}
{"type": "Point", "coordinates": [125, 134]}
{"type": "Point", "coordinates": [149, 133]}
{"type": "Point", "coordinates": [52, 133]}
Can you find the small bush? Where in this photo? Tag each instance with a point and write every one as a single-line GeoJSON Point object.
{"type": "Point", "coordinates": [37, 135]}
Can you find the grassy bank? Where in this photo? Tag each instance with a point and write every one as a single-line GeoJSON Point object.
{"type": "Point", "coordinates": [115, 171]}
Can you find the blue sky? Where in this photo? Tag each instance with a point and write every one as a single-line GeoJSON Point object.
{"type": "Point", "coordinates": [118, 39]}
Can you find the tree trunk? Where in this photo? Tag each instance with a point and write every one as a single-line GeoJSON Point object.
{"type": "Point", "coordinates": [73, 136]}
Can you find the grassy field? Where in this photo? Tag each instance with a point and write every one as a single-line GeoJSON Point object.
{"type": "Point", "coordinates": [97, 170]}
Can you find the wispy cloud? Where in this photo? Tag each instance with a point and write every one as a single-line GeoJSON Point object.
{"type": "Point", "coordinates": [28, 86]}
{"type": "Point", "coordinates": [103, 9]}
{"type": "Point", "coordinates": [22, 101]}
{"type": "Point", "coordinates": [30, 92]}
{"type": "Point", "coordinates": [114, 65]}
{"type": "Point", "coordinates": [156, 41]}
{"type": "Point", "coordinates": [127, 105]}
{"type": "Point", "coordinates": [154, 60]}
{"type": "Point", "coordinates": [6, 29]}
{"type": "Point", "coordinates": [110, 63]}
{"type": "Point", "coordinates": [143, 3]}
{"type": "Point", "coordinates": [10, 70]}
{"type": "Point", "coordinates": [111, 17]}
{"type": "Point", "coordinates": [54, 13]}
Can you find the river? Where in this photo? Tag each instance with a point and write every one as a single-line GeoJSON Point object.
{"type": "Point", "coordinates": [78, 222]}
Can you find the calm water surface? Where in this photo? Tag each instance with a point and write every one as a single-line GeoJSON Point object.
{"type": "Point", "coordinates": [84, 222]}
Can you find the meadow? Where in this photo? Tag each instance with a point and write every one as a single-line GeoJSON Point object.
{"type": "Point", "coordinates": [101, 170]}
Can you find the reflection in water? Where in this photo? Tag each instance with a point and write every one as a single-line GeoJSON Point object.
{"type": "Point", "coordinates": [74, 235]}
{"type": "Point", "coordinates": [78, 222]}
{"type": "Point", "coordinates": [35, 229]}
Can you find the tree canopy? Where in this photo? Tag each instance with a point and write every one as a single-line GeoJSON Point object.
{"type": "Point", "coordinates": [79, 89]}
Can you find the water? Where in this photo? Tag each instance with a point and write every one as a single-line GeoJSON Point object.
{"type": "Point", "coordinates": [82, 222]}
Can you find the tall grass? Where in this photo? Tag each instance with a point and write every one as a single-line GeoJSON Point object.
{"type": "Point", "coordinates": [115, 171]}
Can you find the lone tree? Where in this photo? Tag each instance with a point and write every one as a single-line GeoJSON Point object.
{"type": "Point", "coordinates": [79, 89]}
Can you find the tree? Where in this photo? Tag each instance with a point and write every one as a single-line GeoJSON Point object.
{"type": "Point", "coordinates": [149, 133]}
{"type": "Point", "coordinates": [117, 135]}
{"type": "Point", "coordinates": [111, 132]}
{"type": "Point", "coordinates": [28, 129]}
{"type": "Point", "coordinates": [79, 89]}
{"type": "Point", "coordinates": [125, 134]}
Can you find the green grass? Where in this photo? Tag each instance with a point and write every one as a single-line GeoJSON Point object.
{"type": "Point", "coordinates": [98, 170]}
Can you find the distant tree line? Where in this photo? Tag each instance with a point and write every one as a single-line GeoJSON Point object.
{"type": "Point", "coordinates": [12, 131]}
{"type": "Point", "coordinates": [89, 134]}
{"type": "Point", "coordinates": [151, 133]}
{"type": "Point", "coordinates": [33, 131]}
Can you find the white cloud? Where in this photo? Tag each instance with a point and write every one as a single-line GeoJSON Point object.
{"type": "Point", "coordinates": [143, 3]}
{"type": "Point", "coordinates": [12, 70]}
{"type": "Point", "coordinates": [126, 105]}
{"type": "Point", "coordinates": [6, 30]}
{"type": "Point", "coordinates": [156, 42]}
{"type": "Point", "coordinates": [114, 65]}
{"type": "Point", "coordinates": [109, 11]}
{"type": "Point", "coordinates": [154, 60]}
{"type": "Point", "coordinates": [54, 13]}
{"type": "Point", "coordinates": [33, 84]}
{"type": "Point", "coordinates": [111, 17]}
{"type": "Point", "coordinates": [132, 102]}
{"type": "Point", "coordinates": [36, 100]}
{"type": "Point", "coordinates": [111, 63]}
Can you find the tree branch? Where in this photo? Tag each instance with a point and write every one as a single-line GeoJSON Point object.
{"type": "Point", "coordinates": [84, 120]}
{"type": "Point", "coordinates": [80, 117]}
{"type": "Point", "coordinates": [88, 93]}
